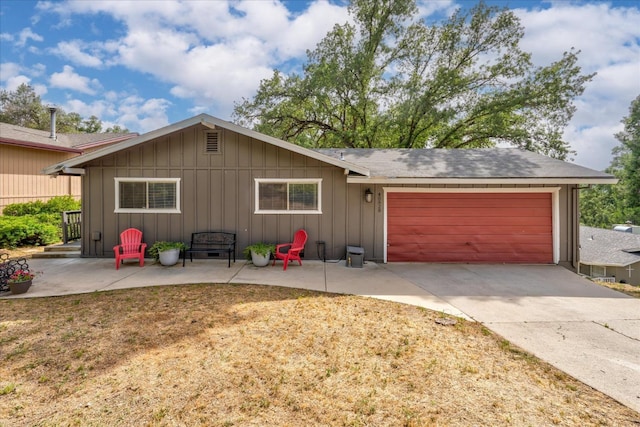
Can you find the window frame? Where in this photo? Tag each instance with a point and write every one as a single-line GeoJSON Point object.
{"type": "Point", "coordinates": [174, 210]}
{"type": "Point", "coordinates": [288, 181]}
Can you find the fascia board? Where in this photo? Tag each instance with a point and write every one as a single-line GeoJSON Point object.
{"type": "Point", "coordinates": [211, 122]}
{"type": "Point", "coordinates": [39, 146]}
{"type": "Point", "coordinates": [480, 181]}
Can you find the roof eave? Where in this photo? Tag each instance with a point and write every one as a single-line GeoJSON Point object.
{"type": "Point", "coordinates": [39, 146]}
{"type": "Point", "coordinates": [211, 122]}
{"type": "Point", "coordinates": [502, 180]}
{"type": "Point", "coordinates": [608, 264]}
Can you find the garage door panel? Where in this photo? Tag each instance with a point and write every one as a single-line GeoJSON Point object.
{"type": "Point", "coordinates": [471, 195]}
{"type": "Point", "coordinates": [464, 203]}
{"type": "Point", "coordinates": [471, 248]}
{"type": "Point", "coordinates": [473, 258]}
{"type": "Point", "coordinates": [466, 221]}
{"type": "Point", "coordinates": [470, 227]}
{"type": "Point", "coordinates": [467, 211]}
{"type": "Point", "coordinates": [527, 239]}
{"type": "Point", "coordinates": [467, 230]}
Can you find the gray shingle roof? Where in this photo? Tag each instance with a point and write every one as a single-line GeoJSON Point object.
{"type": "Point", "coordinates": [599, 246]}
{"type": "Point", "coordinates": [471, 164]}
{"type": "Point", "coordinates": [63, 140]}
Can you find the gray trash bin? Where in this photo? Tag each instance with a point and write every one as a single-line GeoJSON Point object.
{"type": "Point", "coordinates": [355, 256]}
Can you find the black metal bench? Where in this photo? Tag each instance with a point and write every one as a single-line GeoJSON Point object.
{"type": "Point", "coordinates": [211, 243]}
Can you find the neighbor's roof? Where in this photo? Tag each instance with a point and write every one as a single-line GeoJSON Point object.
{"type": "Point", "coordinates": [72, 142]}
{"type": "Point", "coordinates": [498, 165]}
{"type": "Point", "coordinates": [210, 122]}
{"type": "Point", "coordinates": [599, 246]}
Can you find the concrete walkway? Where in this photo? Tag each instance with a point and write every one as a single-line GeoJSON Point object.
{"type": "Point", "coordinates": [585, 330]}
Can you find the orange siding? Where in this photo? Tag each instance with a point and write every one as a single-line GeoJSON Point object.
{"type": "Point", "coordinates": [21, 178]}
{"type": "Point", "coordinates": [468, 227]}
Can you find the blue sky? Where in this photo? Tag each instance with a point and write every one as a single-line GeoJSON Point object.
{"type": "Point", "coordinates": [146, 64]}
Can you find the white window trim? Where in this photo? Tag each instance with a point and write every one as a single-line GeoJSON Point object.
{"type": "Point", "coordinates": [129, 210]}
{"type": "Point", "coordinates": [258, 181]}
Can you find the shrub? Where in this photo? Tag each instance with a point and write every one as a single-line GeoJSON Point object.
{"type": "Point", "coordinates": [62, 203]}
{"type": "Point", "coordinates": [54, 206]}
{"type": "Point", "coordinates": [21, 209]}
{"type": "Point", "coordinates": [27, 230]}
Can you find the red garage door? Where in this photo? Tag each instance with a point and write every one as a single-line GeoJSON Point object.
{"type": "Point", "coordinates": [469, 227]}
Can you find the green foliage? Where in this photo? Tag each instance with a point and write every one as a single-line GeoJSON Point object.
{"type": "Point", "coordinates": [602, 206]}
{"type": "Point", "coordinates": [392, 80]}
{"type": "Point", "coordinates": [34, 223]}
{"type": "Point", "coordinates": [59, 204]}
{"type": "Point", "coordinates": [28, 230]}
{"type": "Point", "coordinates": [161, 246]}
{"type": "Point", "coordinates": [262, 249]}
{"type": "Point", "coordinates": [55, 205]}
{"type": "Point", "coordinates": [23, 107]}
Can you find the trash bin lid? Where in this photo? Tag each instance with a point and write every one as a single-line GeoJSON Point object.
{"type": "Point", "coordinates": [355, 250]}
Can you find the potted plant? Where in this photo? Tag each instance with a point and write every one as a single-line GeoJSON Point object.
{"type": "Point", "coordinates": [20, 281]}
{"type": "Point", "coordinates": [259, 253]}
{"type": "Point", "coordinates": [167, 253]}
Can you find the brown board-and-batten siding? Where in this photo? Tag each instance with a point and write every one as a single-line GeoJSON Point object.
{"type": "Point", "coordinates": [216, 194]}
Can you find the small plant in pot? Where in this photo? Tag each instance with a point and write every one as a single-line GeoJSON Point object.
{"type": "Point", "coordinates": [259, 253]}
{"type": "Point", "coordinates": [20, 281]}
{"type": "Point", "coordinates": [167, 253]}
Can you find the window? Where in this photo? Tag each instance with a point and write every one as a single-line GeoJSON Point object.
{"type": "Point", "coordinates": [290, 196]}
{"type": "Point", "coordinates": [149, 195]}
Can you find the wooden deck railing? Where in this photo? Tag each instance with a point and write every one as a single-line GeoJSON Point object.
{"type": "Point", "coordinates": [71, 225]}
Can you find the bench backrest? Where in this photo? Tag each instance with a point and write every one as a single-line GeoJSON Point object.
{"type": "Point", "coordinates": [212, 239]}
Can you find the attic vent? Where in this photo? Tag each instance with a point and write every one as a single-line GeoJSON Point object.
{"type": "Point", "coordinates": [213, 141]}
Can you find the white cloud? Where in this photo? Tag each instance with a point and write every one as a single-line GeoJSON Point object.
{"type": "Point", "coordinates": [215, 53]}
{"type": "Point", "coordinates": [608, 40]}
{"type": "Point", "coordinates": [68, 79]}
{"type": "Point", "coordinates": [141, 115]}
{"type": "Point", "coordinates": [25, 35]}
{"type": "Point", "coordinates": [73, 51]}
{"type": "Point", "coordinates": [9, 70]}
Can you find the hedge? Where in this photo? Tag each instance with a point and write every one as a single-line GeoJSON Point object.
{"type": "Point", "coordinates": [34, 223]}
{"type": "Point", "coordinates": [28, 230]}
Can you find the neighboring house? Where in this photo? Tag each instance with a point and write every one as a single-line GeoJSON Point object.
{"type": "Point", "coordinates": [206, 174]}
{"type": "Point", "coordinates": [610, 255]}
{"type": "Point", "coordinates": [24, 152]}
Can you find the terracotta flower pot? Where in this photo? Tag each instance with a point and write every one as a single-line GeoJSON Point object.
{"type": "Point", "coordinates": [19, 287]}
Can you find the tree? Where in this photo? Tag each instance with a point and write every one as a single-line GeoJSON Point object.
{"type": "Point", "coordinates": [602, 206]}
{"type": "Point", "coordinates": [23, 107]}
{"type": "Point", "coordinates": [389, 80]}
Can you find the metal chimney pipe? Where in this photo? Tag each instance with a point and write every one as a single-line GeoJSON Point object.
{"type": "Point", "coordinates": [53, 123]}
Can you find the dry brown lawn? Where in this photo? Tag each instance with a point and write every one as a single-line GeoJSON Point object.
{"type": "Point", "coordinates": [239, 355]}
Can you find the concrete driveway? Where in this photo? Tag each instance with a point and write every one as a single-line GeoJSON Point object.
{"type": "Point", "coordinates": [587, 331]}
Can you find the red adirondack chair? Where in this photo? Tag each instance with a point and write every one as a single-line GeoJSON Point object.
{"type": "Point", "coordinates": [130, 246]}
{"type": "Point", "coordinates": [291, 251]}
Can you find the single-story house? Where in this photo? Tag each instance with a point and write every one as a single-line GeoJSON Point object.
{"type": "Point", "coordinates": [205, 174]}
{"type": "Point", "coordinates": [610, 255]}
{"type": "Point", "coordinates": [24, 152]}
